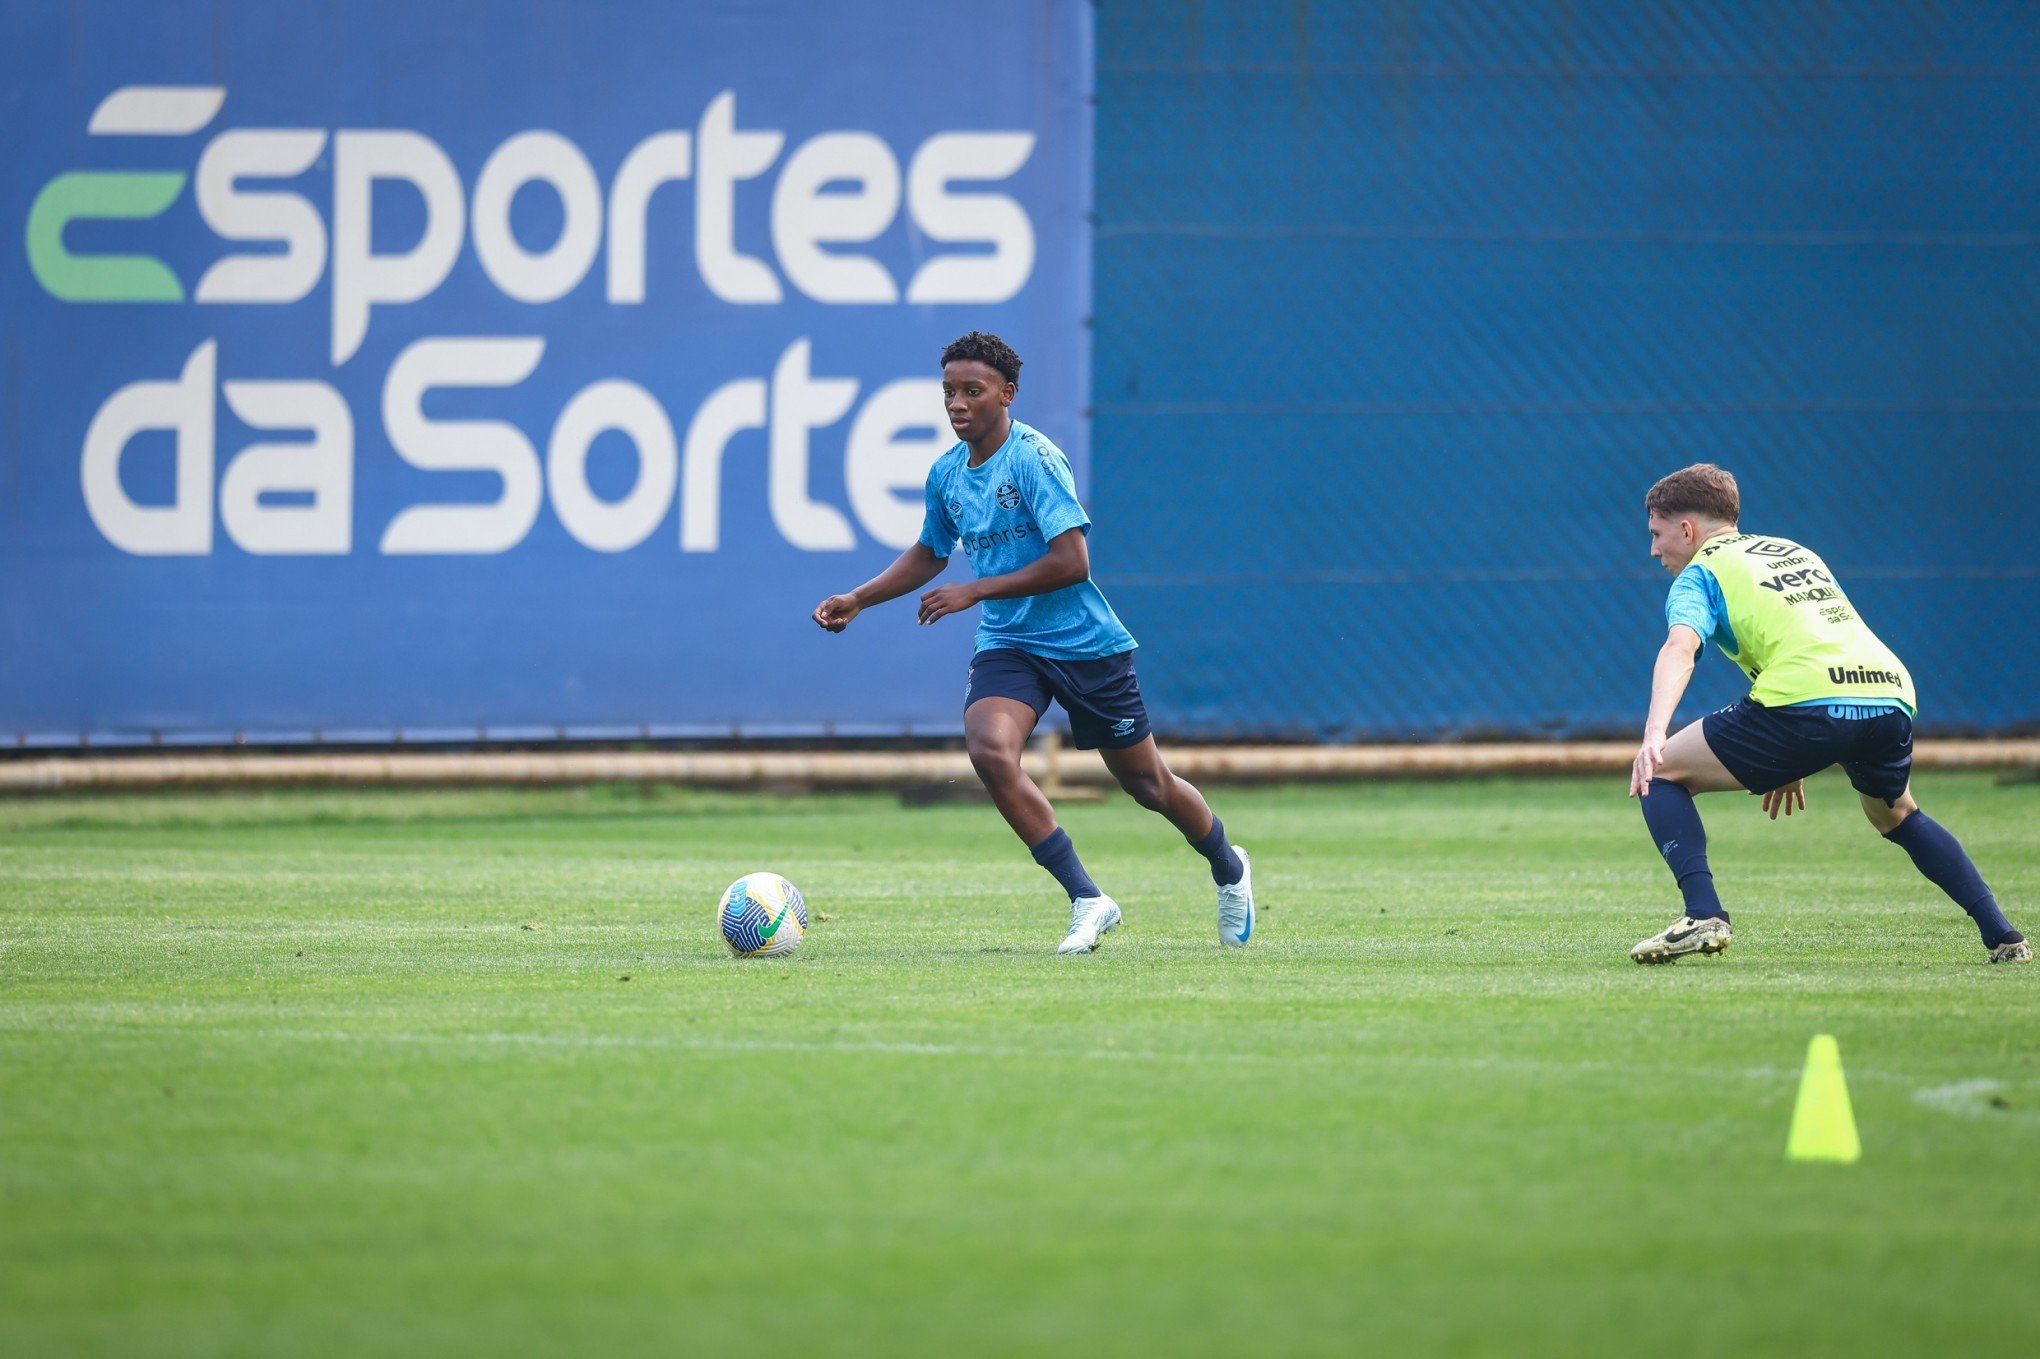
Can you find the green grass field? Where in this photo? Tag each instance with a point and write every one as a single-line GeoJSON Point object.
{"type": "Point", "coordinates": [290, 1075]}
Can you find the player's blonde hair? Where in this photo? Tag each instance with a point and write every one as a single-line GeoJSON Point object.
{"type": "Point", "coordinates": [1702, 489]}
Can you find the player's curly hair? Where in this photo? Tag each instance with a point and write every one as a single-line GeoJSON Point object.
{"type": "Point", "coordinates": [1701, 489]}
{"type": "Point", "coordinates": [987, 348]}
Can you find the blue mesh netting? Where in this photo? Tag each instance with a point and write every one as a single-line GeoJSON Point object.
{"type": "Point", "coordinates": [1401, 307]}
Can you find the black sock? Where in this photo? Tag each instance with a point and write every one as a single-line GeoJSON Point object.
{"type": "Point", "coordinates": [1940, 856]}
{"type": "Point", "coordinates": [1059, 856]}
{"type": "Point", "coordinates": [1226, 868]}
{"type": "Point", "coordinates": [1675, 825]}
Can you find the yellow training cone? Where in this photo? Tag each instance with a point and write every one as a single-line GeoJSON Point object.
{"type": "Point", "coordinates": [1823, 1127]}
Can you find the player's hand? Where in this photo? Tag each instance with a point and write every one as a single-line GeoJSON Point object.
{"type": "Point", "coordinates": [944, 600]}
{"type": "Point", "coordinates": [1650, 757]}
{"type": "Point", "coordinates": [835, 612]}
{"type": "Point", "coordinates": [1781, 799]}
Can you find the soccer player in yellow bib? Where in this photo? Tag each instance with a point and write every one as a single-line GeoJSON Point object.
{"type": "Point", "coordinates": [1823, 690]}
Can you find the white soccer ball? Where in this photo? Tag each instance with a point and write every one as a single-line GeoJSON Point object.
{"type": "Point", "coordinates": [762, 915]}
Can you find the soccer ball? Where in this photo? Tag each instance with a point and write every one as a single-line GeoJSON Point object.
{"type": "Point", "coordinates": [762, 915]}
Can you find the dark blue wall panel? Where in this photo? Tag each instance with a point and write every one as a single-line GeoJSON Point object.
{"type": "Point", "coordinates": [1401, 307]}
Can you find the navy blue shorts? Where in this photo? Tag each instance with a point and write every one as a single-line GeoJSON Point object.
{"type": "Point", "coordinates": [1102, 697]}
{"type": "Point", "coordinates": [1767, 748]}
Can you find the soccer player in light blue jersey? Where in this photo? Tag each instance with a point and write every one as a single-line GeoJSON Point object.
{"type": "Point", "coordinates": [1046, 634]}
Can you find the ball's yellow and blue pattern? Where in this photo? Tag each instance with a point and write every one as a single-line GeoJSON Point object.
{"type": "Point", "coordinates": [762, 915]}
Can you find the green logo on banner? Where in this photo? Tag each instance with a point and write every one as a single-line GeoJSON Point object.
{"type": "Point", "coordinates": [82, 195]}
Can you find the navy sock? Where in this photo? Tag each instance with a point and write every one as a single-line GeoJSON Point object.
{"type": "Point", "coordinates": [1059, 856]}
{"type": "Point", "coordinates": [1226, 868]}
{"type": "Point", "coordinates": [1675, 824]}
{"type": "Point", "coordinates": [1940, 856]}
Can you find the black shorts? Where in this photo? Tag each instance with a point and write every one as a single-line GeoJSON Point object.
{"type": "Point", "coordinates": [1767, 748]}
{"type": "Point", "coordinates": [1102, 697]}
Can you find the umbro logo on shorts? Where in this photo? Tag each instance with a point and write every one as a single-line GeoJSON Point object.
{"type": "Point", "coordinates": [1122, 726]}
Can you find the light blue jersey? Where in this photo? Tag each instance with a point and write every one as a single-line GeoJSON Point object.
{"type": "Point", "coordinates": [1696, 601]}
{"type": "Point", "coordinates": [1005, 511]}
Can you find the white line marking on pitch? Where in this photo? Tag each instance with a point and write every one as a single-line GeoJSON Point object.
{"type": "Point", "coordinates": [1971, 1099]}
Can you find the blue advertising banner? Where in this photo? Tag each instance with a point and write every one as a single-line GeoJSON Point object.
{"type": "Point", "coordinates": [465, 369]}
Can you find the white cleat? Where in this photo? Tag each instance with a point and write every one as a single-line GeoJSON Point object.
{"type": "Point", "coordinates": [2013, 950]}
{"type": "Point", "coordinates": [1091, 918]}
{"type": "Point", "coordinates": [1684, 936]}
{"type": "Point", "coordinates": [1236, 906]}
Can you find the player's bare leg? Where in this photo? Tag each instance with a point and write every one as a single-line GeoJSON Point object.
{"type": "Point", "coordinates": [1145, 776]}
{"type": "Point", "coordinates": [995, 731]}
{"type": "Point", "coordinates": [1690, 766]}
{"type": "Point", "coordinates": [1942, 861]}
{"type": "Point", "coordinates": [1148, 780]}
{"type": "Point", "coordinates": [1887, 819]}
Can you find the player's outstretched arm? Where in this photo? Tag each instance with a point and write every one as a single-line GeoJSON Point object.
{"type": "Point", "coordinates": [1067, 561]}
{"type": "Point", "coordinates": [1668, 681]}
{"type": "Point", "coordinates": [909, 572]}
